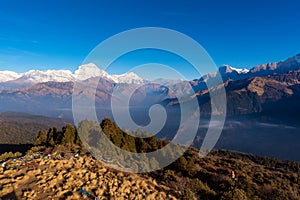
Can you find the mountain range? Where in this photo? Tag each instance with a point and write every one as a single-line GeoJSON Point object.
{"type": "Point", "coordinates": [264, 98]}
{"type": "Point", "coordinates": [51, 91]}
{"type": "Point", "coordinates": [11, 80]}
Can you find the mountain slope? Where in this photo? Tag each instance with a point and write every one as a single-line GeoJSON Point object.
{"type": "Point", "coordinates": [252, 95]}
{"type": "Point", "coordinates": [210, 178]}
{"type": "Point", "coordinates": [21, 128]}
{"type": "Point", "coordinates": [229, 73]}
{"type": "Point", "coordinates": [64, 179]}
{"type": "Point", "coordinates": [292, 63]}
{"type": "Point", "coordinates": [55, 98]}
{"type": "Point", "coordinates": [263, 115]}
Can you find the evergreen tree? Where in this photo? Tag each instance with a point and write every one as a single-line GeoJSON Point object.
{"type": "Point", "coordinates": [51, 136]}
{"type": "Point", "coordinates": [69, 134]}
{"type": "Point", "coordinates": [41, 138]}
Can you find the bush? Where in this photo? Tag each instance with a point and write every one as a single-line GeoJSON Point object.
{"type": "Point", "coordinates": [36, 149]}
{"type": "Point", "coordinates": [188, 195]}
{"type": "Point", "coordinates": [9, 155]}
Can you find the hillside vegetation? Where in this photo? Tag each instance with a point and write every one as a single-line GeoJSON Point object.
{"type": "Point", "coordinates": [21, 128]}
{"type": "Point", "coordinates": [63, 176]}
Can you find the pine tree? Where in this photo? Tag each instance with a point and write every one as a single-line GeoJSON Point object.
{"type": "Point", "coordinates": [41, 138]}
{"type": "Point", "coordinates": [69, 134]}
{"type": "Point", "coordinates": [51, 136]}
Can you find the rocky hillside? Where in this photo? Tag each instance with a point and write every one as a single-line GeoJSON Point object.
{"type": "Point", "coordinates": [254, 95]}
{"type": "Point", "coordinates": [77, 178]}
{"type": "Point", "coordinates": [230, 73]}
{"type": "Point", "coordinates": [188, 178]}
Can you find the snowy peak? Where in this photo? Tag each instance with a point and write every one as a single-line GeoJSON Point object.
{"type": "Point", "coordinates": [8, 76]}
{"type": "Point", "coordinates": [240, 71]}
{"type": "Point", "coordinates": [130, 78]}
{"type": "Point", "coordinates": [83, 72]}
{"type": "Point", "coordinates": [36, 76]}
{"type": "Point", "coordinates": [228, 69]}
{"type": "Point", "coordinates": [90, 70]}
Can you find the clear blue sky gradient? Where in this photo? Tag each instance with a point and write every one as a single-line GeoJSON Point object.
{"type": "Point", "coordinates": [57, 34]}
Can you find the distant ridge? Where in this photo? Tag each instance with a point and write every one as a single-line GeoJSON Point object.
{"type": "Point", "coordinates": [21, 128]}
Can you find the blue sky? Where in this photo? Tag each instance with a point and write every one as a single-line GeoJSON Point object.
{"type": "Point", "coordinates": [60, 34]}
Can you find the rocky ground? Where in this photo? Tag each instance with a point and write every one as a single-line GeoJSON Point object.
{"type": "Point", "coordinates": [77, 178]}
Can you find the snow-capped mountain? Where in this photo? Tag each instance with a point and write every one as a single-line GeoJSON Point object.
{"type": "Point", "coordinates": [240, 71]}
{"type": "Point", "coordinates": [36, 76]}
{"type": "Point", "coordinates": [10, 80]}
{"type": "Point", "coordinates": [83, 72]}
{"type": "Point", "coordinates": [8, 76]}
{"type": "Point", "coordinates": [130, 78]}
{"type": "Point", "coordinates": [229, 69]}
{"type": "Point", "coordinates": [90, 70]}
